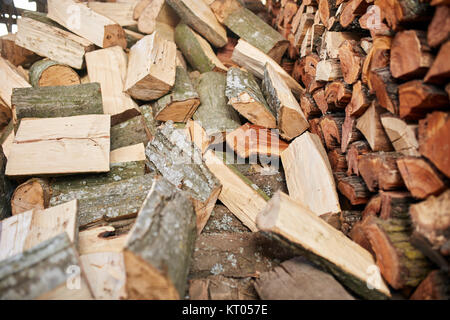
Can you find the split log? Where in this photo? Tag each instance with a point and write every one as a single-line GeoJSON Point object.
{"type": "Point", "coordinates": [291, 120]}
{"type": "Point", "coordinates": [88, 24]}
{"type": "Point", "coordinates": [337, 160]}
{"type": "Point", "coordinates": [119, 12]}
{"type": "Point", "coordinates": [252, 140]}
{"type": "Point", "coordinates": [402, 12]}
{"type": "Point", "coordinates": [240, 195]}
{"type": "Point", "coordinates": [9, 79]}
{"type": "Point", "coordinates": [395, 205]}
{"type": "Point", "coordinates": [333, 40]}
{"type": "Point", "coordinates": [245, 95]}
{"type": "Point", "coordinates": [420, 178]}
{"type": "Point", "coordinates": [379, 170]}
{"type": "Point", "coordinates": [15, 54]}
{"type": "Point", "coordinates": [131, 132]}
{"type": "Point", "coordinates": [358, 235]}
{"type": "Point", "coordinates": [26, 230]}
{"type": "Point", "coordinates": [440, 70]}
{"type": "Point", "coordinates": [308, 175]}
{"type": "Point", "coordinates": [309, 106]}
{"type": "Point", "coordinates": [5, 115]}
{"type": "Point", "coordinates": [433, 287]}
{"type": "Point", "coordinates": [328, 70]}
{"type": "Point", "coordinates": [108, 202]}
{"type": "Point", "coordinates": [439, 28]}
{"type": "Point", "coordinates": [316, 129]}
{"type": "Point", "coordinates": [417, 98]}
{"type": "Point", "coordinates": [198, 16]}
{"type": "Point", "coordinates": [155, 14]}
{"type": "Point", "coordinates": [327, 10]}
{"type": "Point", "coordinates": [180, 162]}
{"type": "Point", "coordinates": [54, 146]}
{"type": "Point", "coordinates": [181, 103]}
{"type": "Point", "coordinates": [431, 219]}
{"type": "Point", "coordinates": [48, 73]}
{"type": "Point", "coordinates": [370, 126]}
{"type": "Point", "coordinates": [7, 138]}
{"type": "Point", "coordinates": [225, 53]}
{"type": "Point", "coordinates": [321, 101]}
{"type": "Point", "coordinates": [47, 40]}
{"type": "Point", "coordinates": [301, 280]}
{"type": "Point", "coordinates": [349, 132]}
{"type": "Point", "coordinates": [254, 60]}
{"type": "Point", "coordinates": [399, 262]}
{"type": "Point", "coordinates": [151, 68]}
{"type": "Point", "coordinates": [373, 207]}
{"type": "Point", "coordinates": [109, 68]}
{"type": "Point", "coordinates": [346, 260]}
{"type": "Point", "coordinates": [331, 126]}
{"type": "Point", "coordinates": [101, 239]}
{"type": "Point", "coordinates": [351, 11]}
{"type": "Point", "coordinates": [196, 50]}
{"type": "Point", "coordinates": [251, 28]}
{"type": "Point", "coordinates": [434, 131]}
{"type": "Point", "coordinates": [351, 57]}
{"type": "Point", "coordinates": [338, 94]}
{"type": "Point", "coordinates": [353, 188]}
{"type": "Point", "coordinates": [401, 134]}
{"type": "Point", "coordinates": [385, 88]}
{"type": "Point", "coordinates": [410, 55]}
{"type": "Point", "coordinates": [55, 102]}
{"type": "Point", "coordinates": [32, 194]}
{"type": "Point", "coordinates": [24, 276]}
{"type": "Point", "coordinates": [378, 57]}
{"type": "Point", "coordinates": [307, 70]}
{"type": "Point", "coordinates": [305, 23]}
{"type": "Point", "coordinates": [355, 151]}
{"type": "Point", "coordinates": [6, 189]}
{"type": "Point", "coordinates": [158, 251]}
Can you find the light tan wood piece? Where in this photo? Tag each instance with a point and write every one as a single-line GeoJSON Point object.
{"type": "Point", "coordinates": [100, 239]}
{"type": "Point", "coordinates": [333, 40]}
{"type": "Point", "coordinates": [349, 262]}
{"type": "Point", "coordinates": [9, 79]}
{"type": "Point", "coordinates": [105, 272]}
{"type": "Point", "coordinates": [151, 68]}
{"type": "Point", "coordinates": [401, 134]}
{"type": "Point", "coordinates": [254, 60]}
{"type": "Point", "coordinates": [156, 14]}
{"type": "Point", "coordinates": [291, 120]}
{"type": "Point", "coordinates": [54, 146]}
{"type": "Point", "coordinates": [87, 23]}
{"type": "Point", "coordinates": [119, 12]}
{"type": "Point", "coordinates": [126, 154]}
{"type": "Point", "coordinates": [109, 68]}
{"type": "Point", "coordinates": [48, 73]}
{"type": "Point", "coordinates": [32, 194]}
{"type": "Point", "coordinates": [26, 230]}
{"type": "Point", "coordinates": [308, 175]}
{"type": "Point", "coordinates": [241, 196]}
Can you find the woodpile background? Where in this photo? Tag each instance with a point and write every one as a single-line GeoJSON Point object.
{"type": "Point", "coordinates": [112, 184]}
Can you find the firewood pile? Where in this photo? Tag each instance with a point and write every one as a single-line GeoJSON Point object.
{"type": "Point", "coordinates": [226, 149]}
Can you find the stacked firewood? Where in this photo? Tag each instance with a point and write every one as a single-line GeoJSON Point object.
{"type": "Point", "coordinates": [376, 76]}
{"type": "Point", "coordinates": [125, 124]}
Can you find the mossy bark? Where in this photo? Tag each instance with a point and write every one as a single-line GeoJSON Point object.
{"type": "Point", "coordinates": [38, 68]}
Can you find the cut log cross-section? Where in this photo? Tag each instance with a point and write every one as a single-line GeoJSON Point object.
{"type": "Point", "coordinates": [294, 225]}
{"type": "Point", "coordinates": [48, 73]}
{"type": "Point", "coordinates": [291, 120]}
{"type": "Point", "coordinates": [158, 251]}
{"type": "Point", "coordinates": [87, 23]}
{"type": "Point", "coordinates": [151, 68]}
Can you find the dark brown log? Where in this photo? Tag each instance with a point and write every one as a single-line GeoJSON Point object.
{"type": "Point", "coordinates": [338, 95]}
{"type": "Point", "coordinates": [316, 129]}
{"type": "Point", "coordinates": [395, 204]}
{"type": "Point", "coordinates": [338, 161]}
{"type": "Point", "coordinates": [309, 106]}
{"type": "Point", "coordinates": [439, 28]}
{"type": "Point", "coordinates": [331, 126]}
{"type": "Point", "coordinates": [434, 287]}
{"type": "Point", "coordinates": [358, 235]}
{"type": "Point", "coordinates": [348, 220]}
{"type": "Point", "coordinates": [6, 189]}
{"type": "Point", "coordinates": [327, 10]}
{"type": "Point", "coordinates": [371, 21]}
{"type": "Point", "coordinates": [420, 178]}
{"type": "Point", "coordinates": [355, 151]}
{"type": "Point", "coordinates": [400, 12]}
{"type": "Point", "coordinates": [224, 54]}
{"type": "Point", "coordinates": [400, 263]}
{"type": "Point", "coordinates": [360, 100]}
{"type": "Point", "coordinates": [352, 58]}
{"type": "Point", "coordinates": [410, 55]}
{"type": "Point", "coordinates": [378, 57]}
{"type": "Point", "coordinates": [385, 88]}
{"type": "Point", "coordinates": [373, 207]}
{"type": "Point", "coordinates": [352, 9]}
{"type": "Point", "coordinates": [353, 188]}
{"type": "Point", "coordinates": [379, 170]}
{"type": "Point", "coordinates": [434, 140]}
{"type": "Point", "coordinates": [440, 70]}
{"type": "Point", "coordinates": [349, 132]}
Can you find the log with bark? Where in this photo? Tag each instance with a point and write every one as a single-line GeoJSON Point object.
{"type": "Point", "coordinates": [401, 134]}
{"type": "Point", "coordinates": [355, 151]}
{"type": "Point", "coordinates": [15, 54]}
{"type": "Point", "coordinates": [353, 188]}
{"type": "Point", "coordinates": [331, 126]}
{"type": "Point", "coordinates": [434, 287]}
{"type": "Point", "coordinates": [134, 131]}
{"type": "Point", "coordinates": [351, 57]}
{"type": "Point", "coordinates": [360, 101]}
{"type": "Point", "coordinates": [48, 73]}
{"type": "Point", "coordinates": [439, 70]}
{"type": "Point", "coordinates": [6, 189]}
{"type": "Point", "coordinates": [385, 88]}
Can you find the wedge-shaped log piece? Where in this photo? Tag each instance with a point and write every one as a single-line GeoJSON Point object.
{"type": "Point", "coordinates": [151, 68]}
{"type": "Point", "coordinates": [6, 139]}
{"type": "Point", "coordinates": [107, 202]}
{"type": "Point", "coordinates": [372, 129]}
{"type": "Point", "coordinates": [386, 89]}
{"type": "Point", "coordinates": [308, 175]}
{"type": "Point", "coordinates": [439, 28]}
{"type": "Point", "coordinates": [32, 194]}
{"type": "Point", "coordinates": [401, 134]}
{"type": "Point", "coordinates": [434, 140]}
{"type": "Point", "coordinates": [109, 68]}
{"type": "Point", "coordinates": [291, 120]}
{"type": "Point", "coordinates": [248, 26]}
{"type": "Point", "coordinates": [240, 195]}
{"type": "Point", "coordinates": [27, 275]}
{"type": "Point", "coordinates": [245, 95]}
{"type": "Point", "coordinates": [254, 60]}
{"type": "Point", "coordinates": [26, 230]}
{"type": "Point", "coordinates": [119, 12]}
{"type": "Point", "coordinates": [15, 54]}
{"type": "Point", "coordinates": [9, 79]}
{"type": "Point", "coordinates": [197, 50]}
{"type": "Point", "coordinates": [433, 287]}
{"type": "Point", "coordinates": [87, 23]}
{"type": "Point", "coordinates": [48, 73]}
{"type": "Point", "coordinates": [156, 14]}
{"type": "Point", "coordinates": [440, 69]}
{"type": "Point", "coordinates": [328, 70]}
{"type": "Point", "coordinates": [180, 162]}
{"type": "Point", "coordinates": [399, 262]}
{"type": "Point", "coordinates": [360, 99]}
{"type": "Point", "coordinates": [351, 57]}
{"type": "Point", "coordinates": [214, 114]}
{"type": "Point", "coordinates": [181, 103]}
{"type": "Point", "coordinates": [251, 140]}
{"type": "Point", "coordinates": [52, 42]}
{"type": "Point", "coordinates": [6, 189]}
{"type": "Point", "coordinates": [294, 225]}
{"type": "Point", "coordinates": [353, 188]}
{"type": "Point", "coordinates": [159, 247]}
{"type": "Point", "coordinates": [132, 131]}
{"type": "Point", "coordinates": [198, 16]}
{"type": "Point", "coordinates": [420, 177]}
{"type": "Point", "coordinates": [55, 102]}
{"type": "Point", "coordinates": [55, 146]}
